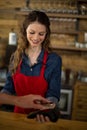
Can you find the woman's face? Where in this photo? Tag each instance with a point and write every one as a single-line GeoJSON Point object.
{"type": "Point", "coordinates": [36, 33]}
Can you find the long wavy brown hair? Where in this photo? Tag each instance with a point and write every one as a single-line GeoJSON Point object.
{"type": "Point", "coordinates": [33, 16]}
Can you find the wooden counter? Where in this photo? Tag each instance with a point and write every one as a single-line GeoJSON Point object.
{"type": "Point", "coordinates": [13, 121]}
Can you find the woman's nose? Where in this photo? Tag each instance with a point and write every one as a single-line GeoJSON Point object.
{"type": "Point", "coordinates": [36, 36]}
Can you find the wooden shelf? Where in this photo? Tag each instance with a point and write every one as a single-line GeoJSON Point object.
{"type": "Point", "coordinates": [67, 48]}
{"type": "Point", "coordinates": [67, 15]}
{"type": "Point", "coordinates": [51, 14]}
{"type": "Point", "coordinates": [66, 32]}
{"type": "Point", "coordinates": [22, 11]}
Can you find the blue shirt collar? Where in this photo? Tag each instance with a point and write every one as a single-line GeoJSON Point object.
{"type": "Point", "coordinates": [40, 57]}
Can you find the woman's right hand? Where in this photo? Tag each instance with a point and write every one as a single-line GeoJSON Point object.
{"type": "Point", "coordinates": [28, 101]}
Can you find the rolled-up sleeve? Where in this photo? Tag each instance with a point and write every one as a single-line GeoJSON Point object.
{"type": "Point", "coordinates": [9, 86]}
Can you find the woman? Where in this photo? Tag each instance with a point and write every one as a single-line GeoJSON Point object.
{"type": "Point", "coordinates": [34, 71]}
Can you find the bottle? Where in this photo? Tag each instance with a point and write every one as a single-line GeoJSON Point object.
{"type": "Point", "coordinates": [63, 76]}
{"type": "Point", "coordinates": [12, 37]}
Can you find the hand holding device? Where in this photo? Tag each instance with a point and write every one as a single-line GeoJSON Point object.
{"type": "Point", "coordinates": [52, 111]}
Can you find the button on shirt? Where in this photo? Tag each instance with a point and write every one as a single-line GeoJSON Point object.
{"type": "Point", "coordinates": [52, 74]}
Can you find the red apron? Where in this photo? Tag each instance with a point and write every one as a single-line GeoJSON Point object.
{"type": "Point", "coordinates": [25, 85]}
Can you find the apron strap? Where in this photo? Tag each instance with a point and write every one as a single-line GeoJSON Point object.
{"type": "Point", "coordinates": [44, 63]}
{"type": "Point", "coordinates": [18, 69]}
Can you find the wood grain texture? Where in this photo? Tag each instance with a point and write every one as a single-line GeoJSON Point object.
{"type": "Point", "coordinates": [9, 121]}
{"type": "Point", "coordinates": [11, 4]}
{"type": "Point", "coordinates": [70, 59]}
{"type": "Point", "coordinates": [79, 109]}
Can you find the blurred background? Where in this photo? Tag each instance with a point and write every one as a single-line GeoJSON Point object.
{"type": "Point", "coordinates": [68, 38]}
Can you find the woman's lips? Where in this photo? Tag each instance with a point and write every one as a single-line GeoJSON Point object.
{"type": "Point", "coordinates": [35, 42]}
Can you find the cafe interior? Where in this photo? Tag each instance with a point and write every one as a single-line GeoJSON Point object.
{"type": "Point", "coordinates": [68, 20]}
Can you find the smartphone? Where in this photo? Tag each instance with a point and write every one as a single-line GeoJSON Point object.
{"type": "Point", "coordinates": [47, 104]}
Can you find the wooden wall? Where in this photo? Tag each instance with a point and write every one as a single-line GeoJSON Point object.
{"type": "Point", "coordinates": [11, 4]}
{"type": "Point", "coordinates": [9, 19]}
{"type": "Point", "coordinates": [73, 60]}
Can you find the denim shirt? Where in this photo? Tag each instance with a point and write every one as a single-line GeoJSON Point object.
{"type": "Point", "coordinates": [52, 74]}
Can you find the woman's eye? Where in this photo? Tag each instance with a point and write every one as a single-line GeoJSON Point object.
{"type": "Point", "coordinates": [31, 32]}
{"type": "Point", "coordinates": [41, 34]}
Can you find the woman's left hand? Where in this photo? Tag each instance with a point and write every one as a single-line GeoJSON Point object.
{"type": "Point", "coordinates": [42, 119]}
